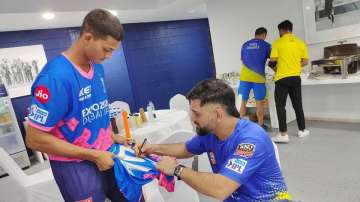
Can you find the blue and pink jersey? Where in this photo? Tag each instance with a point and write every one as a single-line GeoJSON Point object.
{"type": "Point", "coordinates": [72, 105]}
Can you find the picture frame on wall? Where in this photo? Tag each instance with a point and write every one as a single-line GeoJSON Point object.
{"type": "Point", "coordinates": [19, 67]}
{"type": "Point", "coordinates": [331, 20]}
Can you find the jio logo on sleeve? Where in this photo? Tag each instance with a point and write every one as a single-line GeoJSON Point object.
{"type": "Point", "coordinates": [42, 94]}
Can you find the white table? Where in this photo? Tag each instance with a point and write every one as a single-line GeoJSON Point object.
{"type": "Point", "coordinates": [330, 98]}
{"type": "Point", "coordinates": [166, 123]}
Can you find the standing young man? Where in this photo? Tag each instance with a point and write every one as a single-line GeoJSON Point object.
{"type": "Point", "coordinates": [254, 54]}
{"type": "Point", "coordinates": [288, 55]}
{"type": "Point", "coordinates": [69, 117]}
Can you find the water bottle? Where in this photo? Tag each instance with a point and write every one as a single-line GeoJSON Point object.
{"type": "Point", "coordinates": [153, 109]}
{"type": "Point", "coordinates": [150, 112]}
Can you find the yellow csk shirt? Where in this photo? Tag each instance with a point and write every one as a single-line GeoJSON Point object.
{"type": "Point", "coordinates": [288, 50]}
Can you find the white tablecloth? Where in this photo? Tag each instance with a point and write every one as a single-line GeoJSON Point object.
{"type": "Point", "coordinates": [167, 122]}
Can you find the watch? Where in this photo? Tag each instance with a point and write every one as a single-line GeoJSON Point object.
{"type": "Point", "coordinates": [178, 170]}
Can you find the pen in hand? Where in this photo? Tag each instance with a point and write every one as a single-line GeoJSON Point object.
{"type": "Point", "coordinates": [142, 145]}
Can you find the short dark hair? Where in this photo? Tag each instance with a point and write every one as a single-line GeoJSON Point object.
{"type": "Point", "coordinates": [217, 92]}
{"type": "Point", "coordinates": [260, 30]}
{"type": "Point", "coordinates": [101, 23]}
{"type": "Point", "coordinates": [285, 25]}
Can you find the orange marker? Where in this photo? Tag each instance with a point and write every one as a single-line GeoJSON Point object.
{"type": "Point", "coordinates": [126, 126]}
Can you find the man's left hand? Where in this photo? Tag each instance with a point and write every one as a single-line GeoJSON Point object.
{"type": "Point", "coordinates": [167, 165]}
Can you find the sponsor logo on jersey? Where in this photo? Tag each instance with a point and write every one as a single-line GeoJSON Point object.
{"type": "Point", "coordinates": [42, 94]}
{"type": "Point", "coordinates": [245, 150]}
{"type": "Point", "coordinates": [38, 115]}
{"type": "Point", "coordinates": [253, 45]}
{"type": "Point", "coordinates": [212, 158]}
{"type": "Point", "coordinates": [85, 93]}
{"type": "Point", "coordinates": [95, 111]}
{"type": "Point", "coordinates": [237, 165]}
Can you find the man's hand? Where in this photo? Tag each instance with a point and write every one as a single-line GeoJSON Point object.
{"type": "Point", "coordinates": [167, 165]}
{"type": "Point", "coordinates": [146, 150]}
{"type": "Point", "coordinates": [103, 160]}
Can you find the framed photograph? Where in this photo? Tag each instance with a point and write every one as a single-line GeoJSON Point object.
{"type": "Point", "coordinates": [19, 67]}
{"type": "Point", "coordinates": [329, 20]}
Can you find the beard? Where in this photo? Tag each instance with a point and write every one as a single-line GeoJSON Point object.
{"type": "Point", "coordinates": [202, 131]}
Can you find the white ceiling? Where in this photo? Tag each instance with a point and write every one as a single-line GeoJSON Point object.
{"type": "Point", "coordinates": [26, 14]}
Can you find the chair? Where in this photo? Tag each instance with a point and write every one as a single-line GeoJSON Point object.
{"type": "Point", "coordinates": [179, 102]}
{"type": "Point", "coordinates": [118, 106]}
{"type": "Point", "coordinates": [151, 192]}
{"type": "Point", "coordinates": [38, 187]}
{"type": "Point", "coordinates": [277, 153]}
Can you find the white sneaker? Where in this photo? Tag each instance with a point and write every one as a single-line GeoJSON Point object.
{"type": "Point", "coordinates": [303, 133]}
{"type": "Point", "coordinates": [281, 138]}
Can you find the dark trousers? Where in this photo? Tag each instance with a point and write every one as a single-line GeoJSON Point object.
{"type": "Point", "coordinates": [289, 86]}
{"type": "Point", "coordinates": [82, 181]}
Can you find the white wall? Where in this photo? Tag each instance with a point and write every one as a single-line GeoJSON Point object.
{"type": "Point", "coordinates": [232, 22]}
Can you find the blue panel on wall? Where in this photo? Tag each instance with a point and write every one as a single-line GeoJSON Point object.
{"type": "Point", "coordinates": [157, 61]}
{"type": "Point", "coordinates": [117, 79]}
{"type": "Point", "coordinates": [54, 41]}
{"type": "Point", "coordinates": [165, 58]}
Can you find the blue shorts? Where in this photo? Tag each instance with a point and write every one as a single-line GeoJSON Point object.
{"type": "Point", "coordinates": [82, 181]}
{"type": "Point", "coordinates": [259, 90]}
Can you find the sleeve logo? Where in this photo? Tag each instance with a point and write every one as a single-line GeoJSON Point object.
{"type": "Point", "coordinates": [212, 158]}
{"type": "Point", "coordinates": [245, 150]}
{"type": "Point", "coordinates": [42, 94]}
{"type": "Point", "coordinates": [37, 114]}
{"type": "Point", "coordinates": [237, 165]}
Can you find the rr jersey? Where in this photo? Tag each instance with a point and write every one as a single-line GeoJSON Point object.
{"type": "Point", "coordinates": [72, 105]}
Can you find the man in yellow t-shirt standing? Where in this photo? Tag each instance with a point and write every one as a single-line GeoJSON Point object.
{"type": "Point", "coordinates": [288, 55]}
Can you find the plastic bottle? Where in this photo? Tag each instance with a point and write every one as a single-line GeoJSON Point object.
{"type": "Point", "coordinates": [153, 109]}
{"type": "Point", "coordinates": [150, 112]}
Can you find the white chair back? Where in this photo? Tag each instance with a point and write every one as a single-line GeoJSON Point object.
{"type": "Point", "coordinates": [151, 192]}
{"type": "Point", "coordinates": [118, 106]}
{"type": "Point", "coordinates": [38, 187]}
{"type": "Point", "coordinates": [10, 167]}
{"type": "Point", "coordinates": [179, 102]}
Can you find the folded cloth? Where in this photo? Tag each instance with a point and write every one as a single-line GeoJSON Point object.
{"type": "Point", "coordinates": [132, 172]}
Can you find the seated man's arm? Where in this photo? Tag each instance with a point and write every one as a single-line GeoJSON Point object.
{"type": "Point", "coordinates": [177, 150]}
{"type": "Point", "coordinates": [214, 185]}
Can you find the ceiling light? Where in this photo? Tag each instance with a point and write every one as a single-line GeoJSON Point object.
{"type": "Point", "coordinates": [307, 7]}
{"type": "Point", "coordinates": [48, 15]}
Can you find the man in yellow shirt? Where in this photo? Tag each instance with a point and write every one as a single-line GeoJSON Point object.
{"type": "Point", "coordinates": [288, 55]}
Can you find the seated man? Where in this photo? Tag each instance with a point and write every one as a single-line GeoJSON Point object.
{"type": "Point", "coordinates": [241, 153]}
